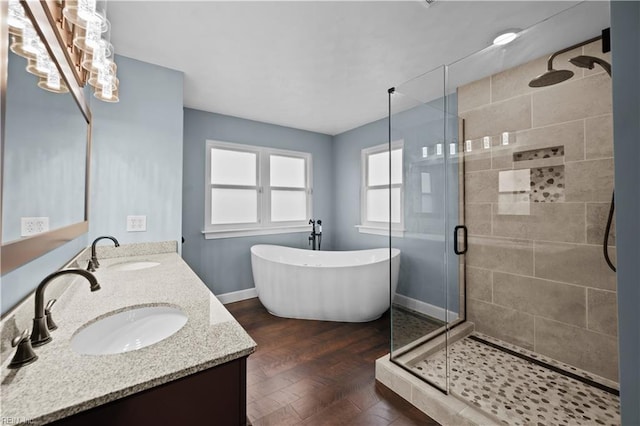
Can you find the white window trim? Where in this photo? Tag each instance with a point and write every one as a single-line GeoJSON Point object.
{"type": "Point", "coordinates": [264, 225]}
{"type": "Point", "coordinates": [371, 227]}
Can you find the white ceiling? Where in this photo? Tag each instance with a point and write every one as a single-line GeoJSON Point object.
{"type": "Point", "coordinates": [315, 65]}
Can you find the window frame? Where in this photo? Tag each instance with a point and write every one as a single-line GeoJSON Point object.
{"type": "Point", "coordinates": [377, 227]}
{"type": "Point", "coordinates": [264, 224]}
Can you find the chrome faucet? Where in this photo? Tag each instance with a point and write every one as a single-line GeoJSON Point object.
{"type": "Point", "coordinates": [93, 263]}
{"type": "Point", "coordinates": [40, 332]}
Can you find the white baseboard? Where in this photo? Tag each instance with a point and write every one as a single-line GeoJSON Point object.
{"type": "Point", "coordinates": [424, 308]}
{"type": "Point", "coordinates": [236, 296]}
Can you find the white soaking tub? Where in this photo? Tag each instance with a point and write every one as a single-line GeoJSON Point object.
{"type": "Point", "coordinates": [350, 286]}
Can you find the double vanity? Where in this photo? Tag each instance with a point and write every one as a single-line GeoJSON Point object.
{"type": "Point", "coordinates": [153, 345]}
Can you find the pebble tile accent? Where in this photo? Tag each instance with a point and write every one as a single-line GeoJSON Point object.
{"type": "Point", "coordinates": [538, 154]}
{"type": "Point", "coordinates": [547, 184]}
{"type": "Point", "coordinates": [409, 325]}
{"type": "Point", "coordinates": [516, 391]}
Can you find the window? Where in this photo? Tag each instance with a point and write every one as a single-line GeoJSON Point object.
{"type": "Point", "coordinates": [374, 204]}
{"type": "Point", "coordinates": [253, 190]}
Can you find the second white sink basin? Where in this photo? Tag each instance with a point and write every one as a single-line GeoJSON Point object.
{"type": "Point", "coordinates": [128, 330]}
{"type": "Point", "coordinates": [133, 265]}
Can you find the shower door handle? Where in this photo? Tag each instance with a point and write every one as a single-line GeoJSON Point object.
{"type": "Point", "coordinates": [464, 239]}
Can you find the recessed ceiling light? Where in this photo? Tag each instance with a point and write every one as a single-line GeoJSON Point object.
{"type": "Point", "coordinates": [505, 37]}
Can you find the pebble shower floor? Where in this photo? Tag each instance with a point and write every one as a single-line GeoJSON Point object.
{"type": "Point", "coordinates": [516, 391]}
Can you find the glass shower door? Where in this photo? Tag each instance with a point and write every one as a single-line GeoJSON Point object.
{"type": "Point", "coordinates": [426, 301]}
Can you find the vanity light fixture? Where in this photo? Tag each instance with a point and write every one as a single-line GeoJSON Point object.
{"type": "Point", "coordinates": [91, 34]}
{"type": "Point", "coordinates": [90, 31]}
{"type": "Point", "coordinates": [505, 37]}
{"type": "Point", "coordinates": [25, 42]}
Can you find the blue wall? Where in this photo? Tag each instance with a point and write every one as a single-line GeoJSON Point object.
{"type": "Point", "coordinates": [423, 271]}
{"type": "Point", "coordinates": [225, 264]}
{"type": "Point", "coordinates": [136, 169]}
{"type": "Point", "coordinates": [136, 166]}
{"type": "Point", "coordinates": [625, 45]}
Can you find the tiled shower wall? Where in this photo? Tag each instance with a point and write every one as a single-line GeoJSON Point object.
{"type": "Point", "coordinates": [536, 210]}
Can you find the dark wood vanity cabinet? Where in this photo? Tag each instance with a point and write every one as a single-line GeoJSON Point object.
{"type": "Point", "coordinates": [217, 396]}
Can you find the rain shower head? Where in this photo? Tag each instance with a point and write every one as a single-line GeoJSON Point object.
{"type": "Point", "coordinates": [589, 62]}
{"type": "Point", "coordinates": [550, 78]}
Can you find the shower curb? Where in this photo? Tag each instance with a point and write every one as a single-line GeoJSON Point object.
{"type": "Point", "coordinates": [445, 409]}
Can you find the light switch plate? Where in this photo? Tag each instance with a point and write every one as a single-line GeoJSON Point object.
{"type": "Point", "coordinates": [136, 223]}
{"type": "Point", "coordinates": [33, 225]}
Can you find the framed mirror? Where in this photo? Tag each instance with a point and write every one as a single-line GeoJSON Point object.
{"type": "Point", "coordinates": [46, 139]}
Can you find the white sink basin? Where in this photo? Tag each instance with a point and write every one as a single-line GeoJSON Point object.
{"type": "Point", "coordinates": [128, 330]}
{"type": "Point", "coordinates": [133, 265]}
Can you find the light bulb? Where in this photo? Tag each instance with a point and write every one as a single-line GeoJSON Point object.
{"type": "Point", "coordinates": [53, 79]}
{"type": "Point", "coordinates": [16, 18]}
{"type": "Point", "coordinates": [505, 138]}
{"type": "Point", "coordinates": [86, 9]}
{"type": "Point", "coordinates": [486, 142]}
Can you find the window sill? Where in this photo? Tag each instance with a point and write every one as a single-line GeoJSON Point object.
{"type": "Point", "coordinates": [376, 230]}
{"type": "Point", "coordinates": [235, 233]}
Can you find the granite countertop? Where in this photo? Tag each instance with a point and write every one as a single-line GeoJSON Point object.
{"type": "Point", "coordinates": [61, 382]}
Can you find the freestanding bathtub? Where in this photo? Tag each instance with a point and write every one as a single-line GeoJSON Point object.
{"type": "Point", "coordinates": [350, 286]}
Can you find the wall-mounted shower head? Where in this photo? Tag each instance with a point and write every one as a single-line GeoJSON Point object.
{"type": "Point", "coordinates": [589, 62]}
{"type": "Point", "coordinates": [550, 78]}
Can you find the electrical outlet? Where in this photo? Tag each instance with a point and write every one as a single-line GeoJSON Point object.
{"type": "Point", "coordinates": [136, 223]}
{"type": "Point", "coordinates": [33, 225]}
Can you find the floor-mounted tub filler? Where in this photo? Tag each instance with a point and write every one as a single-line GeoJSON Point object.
{"type": "Point", "coordinates": [350, 286]}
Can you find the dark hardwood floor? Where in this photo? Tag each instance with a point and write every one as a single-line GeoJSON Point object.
{"type": "Point", "coordinates": [318, 372]}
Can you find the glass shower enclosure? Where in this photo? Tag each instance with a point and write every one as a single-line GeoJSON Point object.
{"type": "Point", "coordinates": [504, 194]}
{"type": "Point", "coordinates": [430, 230]}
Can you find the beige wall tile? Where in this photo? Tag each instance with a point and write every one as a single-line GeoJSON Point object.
{"type": "Point", "coordinates": [501, 254]}
{"type": "Point", "coordinates": [573, 100]}
{"type": "Point", "coordinates": [579, 347]}
{"type": "Point", "coordinates": [474, 94]}
{"type": "Point", "coordinates": [481, 187]}
{"type": "Point", "coordinates": [597, 214]}
{"type": "Point", "coordinates": [599, 137]}
{"type": "Point", "coordinates": [549, 299]}
{"type": "Point", "coordinates": [574, 263]}
{"type": "Point", "coordinates": [477, 160]}
{"type": "Point", "coordinates": [589, 180]}
{"type": "Point", "coordinates": [546, 221]}
{"type": "Point", "coordinates": [502, 323]}
{"type": "Point", "coordinates": [479, 284]}
{"type": "Point", "coordinates": [478, 219]}
{"type": "Point", "coordinates": [492, 120]}
{"type": "Point", "coordinates": [602, 311]}
{"type": "Point", "coordinates": [570, 135]}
